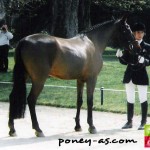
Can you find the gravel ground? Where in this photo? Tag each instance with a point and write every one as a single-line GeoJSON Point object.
{"type": "Point", "coordinates": [58, 127]}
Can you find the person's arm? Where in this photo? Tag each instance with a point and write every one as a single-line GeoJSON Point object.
{"type": "Point", "coordinates": [146, 58]}
{"type": "Point", "coordinates": [9, 35]}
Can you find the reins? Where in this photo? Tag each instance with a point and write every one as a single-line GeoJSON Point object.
{"type": "Point", "coordinates": [133, 64]}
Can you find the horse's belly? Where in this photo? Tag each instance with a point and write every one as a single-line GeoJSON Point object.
{"type": "Point", "coordinates": [67, 70]}
{"type": "Point", "coordinates": [64, 75]}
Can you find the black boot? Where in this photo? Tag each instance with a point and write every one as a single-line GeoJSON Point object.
{"type": "Point", "coordinates": [144, 108]}
{"type": "Point", "coordinates": [130, 109]}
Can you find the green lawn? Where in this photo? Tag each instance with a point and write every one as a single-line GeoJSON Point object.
{"type": "Point", "coordinates": [110, 78]}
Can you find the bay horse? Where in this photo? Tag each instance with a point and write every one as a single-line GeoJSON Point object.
{"type": "Point", "coordinates": [38, 56]}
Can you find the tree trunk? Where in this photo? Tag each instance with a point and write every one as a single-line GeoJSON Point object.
{"type": "Point", "coordinates": [2, 13]}
{"type": "Point", "coordinates": [64, 18]}
{"type": "Point", "coordinates": [84, 14]}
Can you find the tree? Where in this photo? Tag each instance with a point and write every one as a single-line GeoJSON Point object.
{"type": "Point", "coordinates": [57, 17]}
{"type": "Point", "coordinates": [84, 13]}
{"type": "Point", "coordinates": [64, 18]}
{"type": "Point", "coordinates": [2, 12]}
{"type": "Point", "coordinates": [130, 5]}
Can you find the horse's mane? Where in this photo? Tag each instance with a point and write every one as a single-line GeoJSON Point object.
{"type": "Point", "coordinates": [96, 26]}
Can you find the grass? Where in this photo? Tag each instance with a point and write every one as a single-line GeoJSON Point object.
{"type": "Point", "coordinates": [110, 77]}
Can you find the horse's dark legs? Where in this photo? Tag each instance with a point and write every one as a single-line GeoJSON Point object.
{"type": "Point", "coordinates": [32, 98]}
{"type": "Point", "coordinates": [90, 90]}
{"type": "Point", "coordinates": [12, 131]}
{"type": "Point", "coordinates": [80, 86]}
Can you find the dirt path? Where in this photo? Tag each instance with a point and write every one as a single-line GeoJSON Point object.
{"type": "Point", "coordinates": [58, 127]}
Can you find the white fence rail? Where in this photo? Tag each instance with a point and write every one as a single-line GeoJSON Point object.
{"type": "Point", "coordinates": [101, 89]}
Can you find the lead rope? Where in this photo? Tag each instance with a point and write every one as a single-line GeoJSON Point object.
{"type": "Point", "coordinates": [134, 64]}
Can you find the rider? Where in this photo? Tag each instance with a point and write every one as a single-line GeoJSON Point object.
{"type": "Point", "coordinates": [136, 75]}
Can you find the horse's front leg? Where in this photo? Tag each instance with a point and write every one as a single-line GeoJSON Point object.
{"type": "Point", "coordinates": [80, 85]}
{"type": "Point", "coordinates": [90, 90]}
{"type": "Point", "coordinates": [12, 131]}
{"type": "Point", "coordinates": [32, 98]}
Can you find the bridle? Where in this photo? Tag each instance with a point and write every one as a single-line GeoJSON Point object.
{"type": "Point", "coordinates": [134, 64]}
{"type": "Point", "coordinates": [133, 48]}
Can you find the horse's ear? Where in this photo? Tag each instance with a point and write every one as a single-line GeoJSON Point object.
{"type": "Point", "coordinates": [124, 18]}
{"type": "Point", "coordinates": [113, 18]}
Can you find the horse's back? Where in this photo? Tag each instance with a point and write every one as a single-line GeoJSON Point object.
{"type": "Point", "coordinates": [73, 58]}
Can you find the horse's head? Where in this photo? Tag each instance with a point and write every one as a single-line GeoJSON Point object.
{"type": "Point", "coordinates": [125, 37]}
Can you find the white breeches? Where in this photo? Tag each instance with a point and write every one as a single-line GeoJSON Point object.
{"type": "Point", "coordinates": [130, 91]}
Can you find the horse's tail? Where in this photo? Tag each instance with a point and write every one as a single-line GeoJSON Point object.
{"type": "Point", "coordinates": [17, 97]}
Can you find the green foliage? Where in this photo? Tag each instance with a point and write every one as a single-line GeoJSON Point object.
{"type": "Point", "coordinates": [130, 5]}
{"type": "Point", "coordinates": [16, 7]}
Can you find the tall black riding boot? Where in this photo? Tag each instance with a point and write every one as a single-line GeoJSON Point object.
{"type": "Point", "coordinates": [144, 108]}
{"type": "Point", "coordinates": [130, 112]}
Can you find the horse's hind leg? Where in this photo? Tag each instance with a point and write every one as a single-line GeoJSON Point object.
{"type": "Point", "coordinates": [12, 131]}
{"type": "Point", "coordinates": [32, 98]}
{"type": "Point", "coordinates": [90, 90]}
{"type": "Point", "coordinates": [80, 85]}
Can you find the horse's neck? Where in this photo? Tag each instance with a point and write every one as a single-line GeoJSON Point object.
{"type": "Point", "coordinates": [100, 37]}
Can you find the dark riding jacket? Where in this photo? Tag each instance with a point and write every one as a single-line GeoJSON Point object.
{"type": "Point", "coordinates": [136, 71]}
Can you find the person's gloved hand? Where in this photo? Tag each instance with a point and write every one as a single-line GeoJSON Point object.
{"type": "Point", "coordinates": [119, 53]}
{"type": "Point", "coordinates": [141, 59]}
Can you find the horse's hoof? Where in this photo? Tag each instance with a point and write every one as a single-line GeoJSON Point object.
{"type": "Point", "coordinates": [12, 133]}
{"type": "Point", "coordinates": [78, 129]}
{"type": "Point", "coordinates": [39, 134]}
{"type": "Point", "coordinates": [92, 130]}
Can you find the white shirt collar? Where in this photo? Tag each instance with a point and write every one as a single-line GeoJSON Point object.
{"type": "Point", "coordinates": [139, 41]}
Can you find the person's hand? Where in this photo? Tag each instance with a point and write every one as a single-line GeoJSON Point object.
{"type": "Point", "coordinates": [141, 59]}
{"type": "Point", "coordinates": [119, 53]}
{"type": "Point", "coordinates": [5, 28]}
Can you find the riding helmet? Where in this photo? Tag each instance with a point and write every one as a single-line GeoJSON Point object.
{"type": "Point", "coordinates": [139, 27]}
